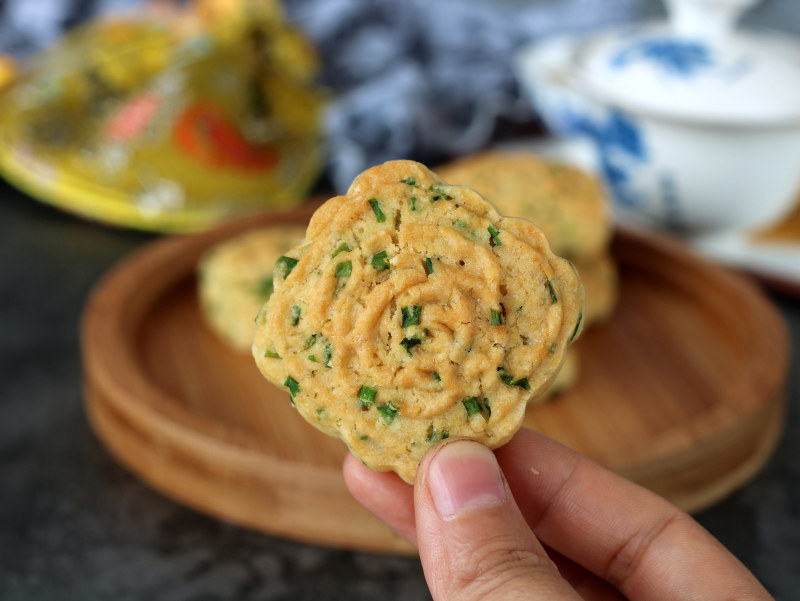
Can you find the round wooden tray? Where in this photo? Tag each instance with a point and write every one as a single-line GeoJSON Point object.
{"type": "Point", "coordinates": [681, 391]}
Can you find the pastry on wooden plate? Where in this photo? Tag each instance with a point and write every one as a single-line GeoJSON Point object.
{"type": "Point", "coordinates": [566, 203]}
{"type": "Point", "coordinates": [600, 279]}
{"type": "Point", "coordinates": [412, 312]}
{"type": "Point", "coordinates": [235, 280]}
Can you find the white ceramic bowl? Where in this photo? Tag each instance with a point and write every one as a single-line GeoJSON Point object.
{"type": "Point", "coordinates": [699, 166]}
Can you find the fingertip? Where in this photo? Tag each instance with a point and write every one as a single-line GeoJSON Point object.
{"type": "Point", "coordinates": [384, 494]}
{"type": "Point", "coordinates": [473, 541]}
{"type": "Point", "coordinates": [355, 473]}
{"type": "Point", "coordinates": [460, 476]}
{"type": "Point", "coordinates": [363, 482]}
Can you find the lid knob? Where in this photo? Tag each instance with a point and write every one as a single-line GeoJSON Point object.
{"type": "Point", "coordinates": [707, 19]}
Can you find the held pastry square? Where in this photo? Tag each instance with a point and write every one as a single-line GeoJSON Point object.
{"type": "Point", "coordinates": [412, 312]}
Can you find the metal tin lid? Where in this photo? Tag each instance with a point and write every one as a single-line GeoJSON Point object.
{"type": "Point", "coordinates": [696, 67]}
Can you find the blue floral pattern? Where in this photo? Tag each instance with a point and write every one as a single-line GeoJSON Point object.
{"type": "Point", "coordinates": [620, 145]}
{"type": "Point", "coordinates": [674, 57]}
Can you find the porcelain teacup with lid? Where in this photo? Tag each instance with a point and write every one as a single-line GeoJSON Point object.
{"type": "Point", "coordinates": [696, 122]}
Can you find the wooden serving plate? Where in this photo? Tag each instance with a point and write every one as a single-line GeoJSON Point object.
{"type": "Point", "coordinates": [681, 391]}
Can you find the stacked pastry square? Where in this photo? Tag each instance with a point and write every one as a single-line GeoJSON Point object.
{"type": "Point", "coordinates": [235, 279]}
{"type": "Point", "coordinates": [572, 210]}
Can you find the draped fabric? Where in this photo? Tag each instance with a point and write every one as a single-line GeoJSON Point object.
{"type": "Point", "coordinates": [421, 79]}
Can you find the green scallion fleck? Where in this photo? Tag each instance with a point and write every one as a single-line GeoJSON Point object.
{"type": "Point", "coordinates": [388, 412]}
{"type": "Point", "coordinates": [413, 203]}
{"type": "Point", "coordinates": [313, 358]}
{"type": "Point", "coordinates": [409, 343]}
{"type": "Point", "coordinates": [509, 380]}
{"type": "Point", "coordinates": [434, 435]}
{"type": "Point", "coordinates": [271, 354]}
{"type": "Point", "coordinates": [428, 265]}
{"type": "Point", "coordinates": [293, 386]}
{"type": "Point", "coordinates": [464, 227]}
{"type": "Point", "coordinates": [494, 235]}
{"type": "Point", "coordinates": [553, 297]}
{"type": "Point", "coordinates": [366, 395]}
{"type": "Point", "coordinates": [435, 375]}
{"type": "Point", "coordinates": [344, 269]}
{"type": "Point", "coordinates": [523, 383]}
{"type": "Point", "coordinates": [505, 377]}
{"type": "Point", "coordinates": [553, 348]}
{"type": "Point", "coordinates": [310, 341]}
{"type": "Point", "coordinates": [411, 315]}
{"type": "Point", "coordinates": [265, 287]}
{"type": "Point", "coordinates": [343, 247]}
{"type": "Point", "coordinates": [328, 355]}
{"type": "Point", "coordinates": [487, 407]}
{"type": "Point", "coordinates": [497, 317]}
{"type": "Point", "coordinates": [410, 181]}
{"type": "Point", "coordinates": [577, 327]}
{"type": "Point", "coordinates": [376, 208]}
{"type": "Point", "coordinates": [380, 261]}
{"type": "Point", "coordinates": [295, 314]}
{"type": "Point", "coordinates": [284, 266]}
{"type": "Point", "coordinates": [321, 413]}
{"type": "Point", "coordinates": [472, 405]}
{"type": "Point", "coordinates": [438, 194]}
{"type": "Point", "coordinates": [261, 312]}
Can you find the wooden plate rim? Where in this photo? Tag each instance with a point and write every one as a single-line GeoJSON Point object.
{"type": "Point", "coordinates": [143, 402]}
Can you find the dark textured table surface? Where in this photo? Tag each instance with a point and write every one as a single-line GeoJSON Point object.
{"type": "Point", "coordinates": [75, 525]}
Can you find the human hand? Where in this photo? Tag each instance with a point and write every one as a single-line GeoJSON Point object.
{"type": "Point", "coordinates": [551, 525]}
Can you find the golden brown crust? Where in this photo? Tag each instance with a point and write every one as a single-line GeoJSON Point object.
{"type": "Point", "coordinates": [566, 203]}
{"type": "Point", "coordinates": [450, 332]}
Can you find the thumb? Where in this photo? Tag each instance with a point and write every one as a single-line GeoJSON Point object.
{"type": "Point", "coordinates": [473, 540]}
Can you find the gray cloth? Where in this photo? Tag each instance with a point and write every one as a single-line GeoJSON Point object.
{"type": "Point", "coordinates": [428, 79]}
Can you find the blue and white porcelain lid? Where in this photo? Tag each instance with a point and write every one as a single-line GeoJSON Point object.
{"type": "Point", "coordinates": [696, 67]}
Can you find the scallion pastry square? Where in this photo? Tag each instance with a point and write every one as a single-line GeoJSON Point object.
{"type": "Point", "coordinates": [413, 312]}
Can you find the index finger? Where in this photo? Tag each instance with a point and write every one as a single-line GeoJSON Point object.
{"type": "Point", "coordinates": [623, 533]}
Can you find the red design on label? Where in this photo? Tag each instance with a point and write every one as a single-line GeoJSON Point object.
{"type": "Point", "coordinates": [204, 132]}
{"type": "Point", "coordinates": [132, 117]}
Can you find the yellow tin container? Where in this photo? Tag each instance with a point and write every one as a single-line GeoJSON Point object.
{"type": "Point", "coordinates": [167, 127]}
